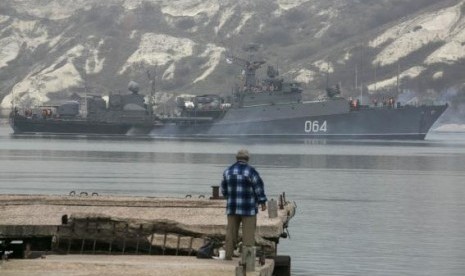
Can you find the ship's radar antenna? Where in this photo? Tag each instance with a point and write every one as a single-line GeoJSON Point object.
{"type": "Point", "coordinates": [249, 66]}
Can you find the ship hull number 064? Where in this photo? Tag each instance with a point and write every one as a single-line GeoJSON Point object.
{"type": "Point", "coordinates": [315, 126]}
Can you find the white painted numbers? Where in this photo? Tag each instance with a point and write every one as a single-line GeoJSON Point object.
{"type": "Point", "coordinates": [315, 126]}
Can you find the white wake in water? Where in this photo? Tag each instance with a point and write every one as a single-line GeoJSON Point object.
{"type": "Point", "coordinates": [451, 128]}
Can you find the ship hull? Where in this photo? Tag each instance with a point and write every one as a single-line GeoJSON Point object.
{"type": "Point", "coordinates": [319, 120]}
{"type": "Point", "coordinates": [22, 124]}
{"type": "Point", "coordinates": [406, 123]}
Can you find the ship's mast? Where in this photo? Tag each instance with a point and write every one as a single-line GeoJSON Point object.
{"type": "Point", "coordinates": [249, 66]}
{"type": "Point", "coordinates": [85, 111]}
{"type": "Point", "coordinates": [398, 80]}
{"type": "Point", "coordinates": [361, 74]}
{"type": "Point", "coordinates": [152, 88]}
{"type": "Point", "coordinates": [356, 78]}
{"type": "Point", "coordinates": [13, 99]}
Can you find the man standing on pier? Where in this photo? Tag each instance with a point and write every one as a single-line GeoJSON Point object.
{"type": "Point", "coordinates": [244, 190]}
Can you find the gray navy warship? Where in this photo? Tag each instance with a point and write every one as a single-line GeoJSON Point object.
{"type": "Point", "coordinates": [273, 107]}
{"type": "Point", "coordinates": [125, 114]}
{"type": "Point", "coordinates": [270, 107]}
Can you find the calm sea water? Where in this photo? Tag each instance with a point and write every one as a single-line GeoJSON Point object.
{"type": "Point", "coordinates": [364, 207]}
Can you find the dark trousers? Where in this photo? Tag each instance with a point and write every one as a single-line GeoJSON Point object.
{"type": "Point", "coordinates": [249, 224]}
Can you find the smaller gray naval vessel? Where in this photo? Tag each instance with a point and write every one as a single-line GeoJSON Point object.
{"type": "Point", "coordinates": [125, 114]}
{"type": "Point", "coordinates": [273, 107]}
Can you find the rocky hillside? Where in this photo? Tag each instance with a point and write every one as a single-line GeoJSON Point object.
{"type": "Point", "coordinates": [411, 49]}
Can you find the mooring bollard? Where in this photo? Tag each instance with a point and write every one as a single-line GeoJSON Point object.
{"type": "Point", "coordinates": [215, 192]}
{"type": "Point", "coordinates": [281, 202]}
{"type": "Point", "coordinates": [272, 208]}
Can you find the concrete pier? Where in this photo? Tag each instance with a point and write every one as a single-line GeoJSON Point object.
{"type": "Point", "coordinates": [98, 265]}
{"type": "Point", "coordinates": [138, 233]}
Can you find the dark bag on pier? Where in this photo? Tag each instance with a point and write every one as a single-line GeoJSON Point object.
{"type": "Point", "coordinates": [206, 250]}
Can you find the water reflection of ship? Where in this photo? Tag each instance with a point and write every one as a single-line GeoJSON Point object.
{"type": "Point", "coordinates": [270, 107]}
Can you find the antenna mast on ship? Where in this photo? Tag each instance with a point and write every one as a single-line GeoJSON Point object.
{"type": "Point", "coordinates": [84, 110]}
{"type": "Point", "coordinates": [13, 100]}
{"type": "Point", "coordinates": [152, 88]}
{"type": "Point", "coordinates": [361, 74]}
{"type": "Point", "coordinates": [249, 66]}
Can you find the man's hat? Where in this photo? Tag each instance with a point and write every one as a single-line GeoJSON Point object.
{"type": "Point", "coordinates": [243, 155]}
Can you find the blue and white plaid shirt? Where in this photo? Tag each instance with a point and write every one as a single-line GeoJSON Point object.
{"type": "Point", "coordinates": [243, 188]}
